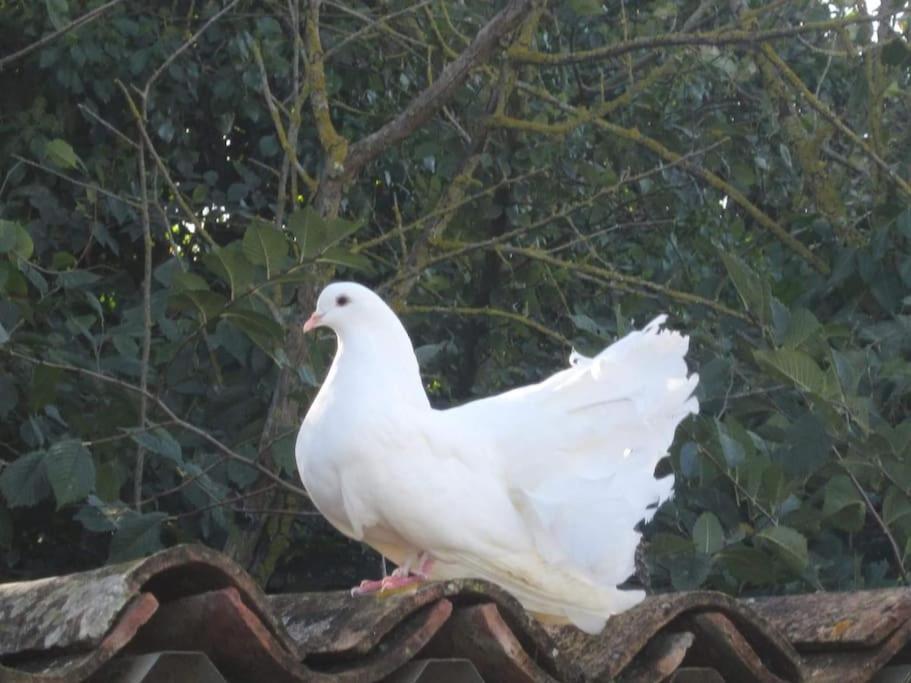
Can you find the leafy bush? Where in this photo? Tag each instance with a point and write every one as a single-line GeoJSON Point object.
{"type": "Point", "coordinates": [182, 178]}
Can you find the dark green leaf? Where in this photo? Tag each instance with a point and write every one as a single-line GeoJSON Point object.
{"type": "Point", "coordinates": [689, 572]}
{"type": "Point", "coordinates": [160, 441]}
{"type": "Point", "coordinates": [265, 246]}
{"type": "Point", "coordinates": [753, 290]}
{"type": "Point", "coordinates": [24, 482]}
{"type": "Point", "coordinates": [6, 527]}
{"type": "Point", "coordinates": [60, 153]}
{"type": "Point", "coordinates": [70, 471]}
{"type": "Point", "coordinates": [314, 234]}
{"type": "Point", "coordinates": [843, 505]}
{"type": "Point", "coordinates": [795, 366]}
{"type": "Point", "coordinates": [749, 565]}
{"type": "Point", "coordinates": [137, 535]}
{"type": "Point", "coordinates": [708, 534]}
{"type": "Point", "coordinates": [788, 545]}
{"type": "Point", "coordinates": [230, 264]}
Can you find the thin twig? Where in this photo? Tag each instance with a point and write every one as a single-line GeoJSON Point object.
{"type": "Point", "coordinates": [147, 326]}
{"type": "Point", "coordinates": [50, 37]}
{"type": "Point", "coordinates": [190, 427]}
{"type": "Point", "coordinates": [896, 551]}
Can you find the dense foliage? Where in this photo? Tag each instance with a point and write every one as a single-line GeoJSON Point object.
{"type": "Point", "coordinates": [179, 178]}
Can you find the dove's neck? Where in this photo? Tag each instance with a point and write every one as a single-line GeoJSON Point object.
{"type": "Point", "coordinates": [379, 362]}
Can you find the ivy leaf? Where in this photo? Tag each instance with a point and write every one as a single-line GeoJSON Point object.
{"type": "Point", "coordinates": [24, 482]}
{"type": "Point", "coordinates": [708, 534]}
{"type": "Point", "coordinates": [137, 535]}
{"type": "Point", "coordinates": [265, 246]}
{"type": "Point", "coordinates": [796, 366]}
{"type": "Point", "coordinates": [789, 545]}
{"type": "Point", "coordinates": [70, 470]}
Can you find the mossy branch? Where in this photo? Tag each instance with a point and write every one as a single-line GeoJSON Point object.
{"type": "Point", "coordinates": [718, 38]}
{"type": "Point", "coordinates": [830, 116]}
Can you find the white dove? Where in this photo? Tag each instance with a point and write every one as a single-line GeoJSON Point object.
{"type": "Point", "coordinates": [538, 489]}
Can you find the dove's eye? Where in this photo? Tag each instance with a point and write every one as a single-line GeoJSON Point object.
{"type": "Point", "coordinates": [342, 300]}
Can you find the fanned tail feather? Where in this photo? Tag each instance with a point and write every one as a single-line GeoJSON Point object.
{"type": "Point", "coordinates": [583, 446]}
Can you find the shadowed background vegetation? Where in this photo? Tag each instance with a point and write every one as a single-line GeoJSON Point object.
{"type": "Point", "coordinates": [179, 178]}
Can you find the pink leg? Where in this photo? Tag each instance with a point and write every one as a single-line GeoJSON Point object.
{"type": "Point", "coordinates": [400, 577]}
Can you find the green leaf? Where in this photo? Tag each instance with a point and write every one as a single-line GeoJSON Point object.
{"type": "Point", "coordinates": [43, 389]}
{"type": "Point", "coordinates": [70, 470]}
{"type": "Point", "coordinates": [802, 326]}
{"type": "Point", "coordinates": [749, 565]}
{"type": "Point", "coordinates": [754, 291]}
{"type": "Point", "coordinates": [15, 239]}
{"type": "Point", "coordinates": [137, 535]}
{"type": "Point", "coordinates": [61, 154]}
{"type": "Point", "coordinates": [843, 506]}
{"type": "Point", "coordinates": [230, 264]}
{"type": "Point", "coordinates": [265, 246]}
{"type": "Point", "coordinates": [160, 441]}
{"type": "Point", "coordinates": [188, 282]}
{"type": "Point", "coordinates": [708, 534]}
{"type": "Point", "coordinates": [315, 234]}
{"type": "Point", "coordinates": [897, 509]}
{"type": "Point", "coordinates": [789, 545]}
{"type": "Point", "coordinates": [263, 331]}
{"type": "Point", "coordinates": [343, 257]}
{"type": "Point", "coordinates": [796, 366]}
{"type": "Point", "coordinates": [207, 304]}
{"type": "Point", "coordinates": [58, 12]}
{"type": "Point", "coordinates": [4, 335]}
{"type": "Point", "coordinates": [6, 527]}
{"type": "Point", "coordinates": [689, 572]}
{"type": "Point", "coordinates": [24, 482]}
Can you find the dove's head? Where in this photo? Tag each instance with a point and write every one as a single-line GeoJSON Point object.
{"type": "Point", "coordinates": [343, 306]}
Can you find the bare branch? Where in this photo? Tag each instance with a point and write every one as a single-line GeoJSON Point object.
{"type": "Point", "coordinates": [432, 99]}
{"type": "Point", "coordinates": [147, 326]}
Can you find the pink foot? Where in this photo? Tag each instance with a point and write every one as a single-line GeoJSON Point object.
{"type": "Point", "coordinates": [400, 578]}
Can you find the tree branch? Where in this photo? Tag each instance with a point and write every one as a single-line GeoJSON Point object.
{"type": "Point", "coordinates": [715, 38]}
{"type": "Point", "coordinates": [426, 104]}
{"type": "Point", "coordinates": [147, 326]}
{"type": "Point", "coordinates": [183, 424]}
{"type": "Point", "coordinates": [634, 135]}
{"type": "Point", "coordinates": [489, 312]}
{"type": "Point", "coordinates": [830, 116]}
{"type": "Point", "coordinates": [50, 37]}
{"type": "Point", "coordinates": [616, 276]}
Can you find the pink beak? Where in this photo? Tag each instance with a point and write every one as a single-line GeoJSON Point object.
{"type": "Point", "coordinates": [313, 321]}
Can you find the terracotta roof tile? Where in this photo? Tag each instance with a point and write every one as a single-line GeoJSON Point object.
{"type": "Point", "coordinates": [73, 628]}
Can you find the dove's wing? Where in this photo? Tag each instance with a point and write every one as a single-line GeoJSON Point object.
{"type": "Point", "coordinates": [578, 450]}
{"type": "Point", "coordinates": [406, 484]}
